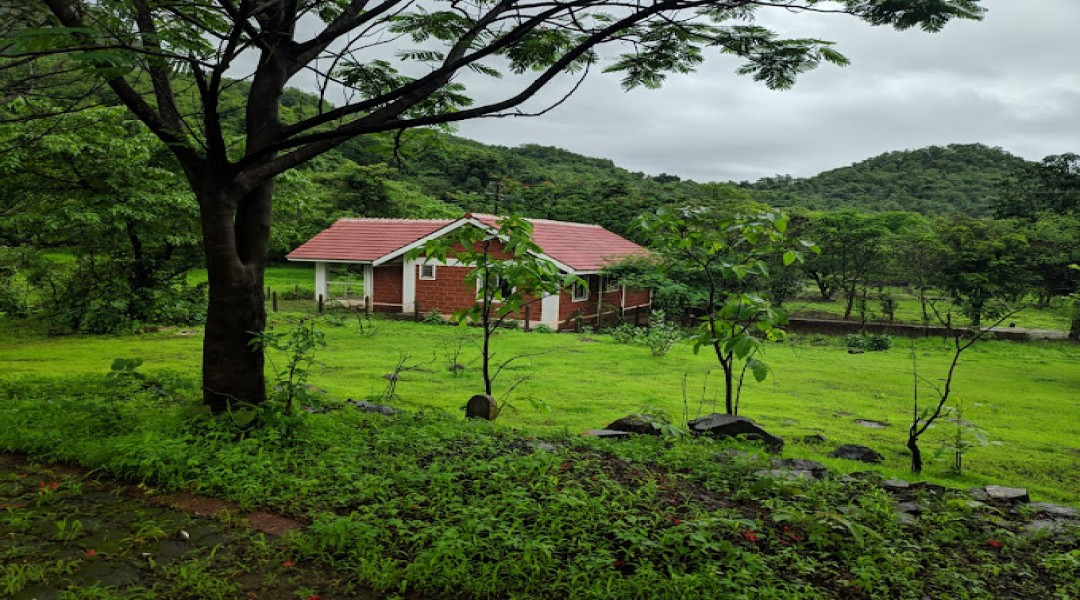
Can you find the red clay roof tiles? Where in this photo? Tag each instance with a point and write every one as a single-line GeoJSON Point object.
{"type": "Point", "coordinates": [577, 245]}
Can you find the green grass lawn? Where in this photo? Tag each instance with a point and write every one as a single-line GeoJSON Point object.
{"type": "Point", "coordinates": [1026, 396]}
{"type": "Point", "coordinates": [283, 278]}
{"type": "Point", "coordinates": [907, 309]}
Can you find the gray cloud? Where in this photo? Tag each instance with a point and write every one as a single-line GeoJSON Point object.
{"type": "Point", "coordinates": [1010, 81]}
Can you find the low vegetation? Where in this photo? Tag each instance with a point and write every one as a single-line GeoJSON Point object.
{"type": "Point", "coordinates": [426, 503]}
{"type": "Point", "coordinates": [1019, 393]}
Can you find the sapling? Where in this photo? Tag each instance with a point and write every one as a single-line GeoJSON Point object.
{"type": "Point", "coordinates": [506, 266]}
{"type": "Point", "coordinates": [729, 255]}
{"type": "Point", "coordinates": [921, 421]}
{"type": "Point", "coordinates": [299, 347]}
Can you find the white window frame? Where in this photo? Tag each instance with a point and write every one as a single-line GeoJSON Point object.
{"type": "Point", "coordinates": [498, 280]}
{"type": "Point", "coordinates": [424, 277]}
{"type": "Point", "coordinates": [584, 287]}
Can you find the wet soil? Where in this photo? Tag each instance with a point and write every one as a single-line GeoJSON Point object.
{"type": "Point", "coordinates": [65, 534]}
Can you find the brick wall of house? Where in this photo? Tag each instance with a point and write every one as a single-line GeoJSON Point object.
{"type": "Point", "coordinates": [387, 283]}
{"type": "Point", "coordinates": [637, 298]}
{"type": "Point", "coordinates": [568, 309]}
{"type": "Point", "coordinates": [450, 292]}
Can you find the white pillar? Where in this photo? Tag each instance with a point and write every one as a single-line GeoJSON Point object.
{"type": "Point", "coordinates": [369, 282]}
{"type": "Point", "coordinates": [321, 286]}
{"type": "Point", "coordinates": [549, 310]}
{"type": "Point", "coordinates": [408, 286]}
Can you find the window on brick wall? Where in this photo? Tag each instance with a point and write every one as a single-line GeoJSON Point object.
{"type": "Point", "coordinates": [427, 272]}
{"type": "Point", "coordinates": [504, 287]}
{"type": "Point", "coordinates": [580, 292]}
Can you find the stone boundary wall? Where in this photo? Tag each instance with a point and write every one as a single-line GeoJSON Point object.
{"type": "Point", "coordinates": [838, 327]}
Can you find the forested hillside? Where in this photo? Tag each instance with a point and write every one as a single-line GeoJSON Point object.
{"type": "Point", "coordinates": [935, 180]}
{"type": "Point", "coordinates": [554, 183]}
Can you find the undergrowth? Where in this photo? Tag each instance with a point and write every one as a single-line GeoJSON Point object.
{"type": "Point", "coordinates": [427, 503]}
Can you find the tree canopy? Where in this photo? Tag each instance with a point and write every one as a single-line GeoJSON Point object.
{"type": "Point", "coordinates": [134, 47]}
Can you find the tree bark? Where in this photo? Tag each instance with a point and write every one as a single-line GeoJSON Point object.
{"type": "Point", "coordinates": [234, 240]}
{"type": "Point", "coordinates": [916, 455]}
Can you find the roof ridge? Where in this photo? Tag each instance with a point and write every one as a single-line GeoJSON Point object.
{"type": "Point", "coordinates": [532, 220]}
{"type": "Point", "coordinates": [397, 220]}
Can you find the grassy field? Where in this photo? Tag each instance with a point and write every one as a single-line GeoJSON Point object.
{"type": "Point", "coordinates": [1024, 395]}
{"type": "Point", "coordinates": [907, 309]}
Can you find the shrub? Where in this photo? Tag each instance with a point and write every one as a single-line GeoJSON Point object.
{"type": "Point", "coordinates": [625, 333]}
{"type": "Point", "coordinates": [543, 329]}
{"type": "Point", "coordinates": [434, 317]}
{"type": "Point", "coordinates": [661, 334]}
{"type": "Point", "coordinates": [872, 343]}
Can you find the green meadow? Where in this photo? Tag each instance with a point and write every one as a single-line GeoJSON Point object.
{"type": "Point", "coordinates": [1024, 396]}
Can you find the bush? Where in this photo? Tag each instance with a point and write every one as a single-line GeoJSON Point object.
{"type": "Point", "coordinates": [661, 334]}
{"type": "Point", "coordinates": [625, 333]}
{"type": "Point", "coordinates": [543, 329]}
{"type": "Point", "coordinates": [872, 343]}
{"type": "Point", "coordinates": [434, 317]}
{"type": "Point", "coordinates": [98, 298]}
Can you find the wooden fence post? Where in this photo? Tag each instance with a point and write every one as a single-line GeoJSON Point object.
{"type": "Point", "coordinates": [273, 300]}
{"type": "Point", "coordinates": [416, 312]}
{"type": "Point", "coordinates": [367, 306]}
{"type": "Point", "coordinates": [637, 316]}
{"type": "Point", "coordinates": [528, 327]}
{"type": "Point", "coordinates": [577, 321]}
{"type": "Point", "coordinates": [320, 304]}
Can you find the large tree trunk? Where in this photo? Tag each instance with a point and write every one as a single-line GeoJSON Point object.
{"type": "Point", "coordinates": [235, 241]}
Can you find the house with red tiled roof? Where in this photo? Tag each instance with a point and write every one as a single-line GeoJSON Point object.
{"type": "Point", "coordinates": [367, 262]}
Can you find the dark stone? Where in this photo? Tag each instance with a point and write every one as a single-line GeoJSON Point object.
{"type": "Point", "coordinates": [391, 377]}
{"type": "Point", "coordinates": [895, 485]}
{"type": "Point", "coordinates": [856, 351]}
{"type": "Point", "coordinates": [729, 454]}
{"type": "Point", "coordinates": [928, 487]}
{"type": "Point", "coordinates": [607, 433]}
{"type": "Point", "coordinates": [863, 476]}
{"type": "Point", "coordinates": [786, 474]}
{"type": "Point", "coordinates": [871, 424]}
{"type": "Point", "coordinates": [482, 406]}
{"type": "Point", "coordinates": [856, 452]}
{"type": "Point", "coordinates": [1055, 511]}
{"type": "Point", "coordinates": [999, 493]}
{"type": "Point", "coordinates": [634, 424]}
{"type": "Point", "coordinates": [721, 426]}
{"type": "Point", "coordinates": [1041, 526]}
{"type": "Point", "coordinates": [907, 519]}
{"type": "Point", "coordinates": [910, 508]}
{"type": "Point", "coordinates": [371, 407]}
{"type": "Point", "coordinates": [814, 438]}
{"type": "Point", "coordinates": [814, 468]}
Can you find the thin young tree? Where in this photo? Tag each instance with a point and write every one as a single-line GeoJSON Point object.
{"type": "Point", "coordinates": [506, 267]}
{"type": "Point", "coordinates": [922, 417]}
{"type": "Point", "coordinates": [728, 257]}
{"type": "Point", "coordinates": [157, 56]}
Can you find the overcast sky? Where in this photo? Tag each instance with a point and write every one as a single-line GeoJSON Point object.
{"type": "Point", "coordinates": [1011, 80]}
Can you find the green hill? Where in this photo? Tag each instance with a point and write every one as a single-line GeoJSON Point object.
{"type": "Point", "coordinates": [933, 180]}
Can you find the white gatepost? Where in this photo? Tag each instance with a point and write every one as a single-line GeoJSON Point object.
{"type": "Point", "coordinates": [369, 283]}
{"type": "Point", "coordinates": [408, 286]}
{"type": "Point", "coordinates": [321, 286]}
{"type": "Point", "coordinates": [549, 310]}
